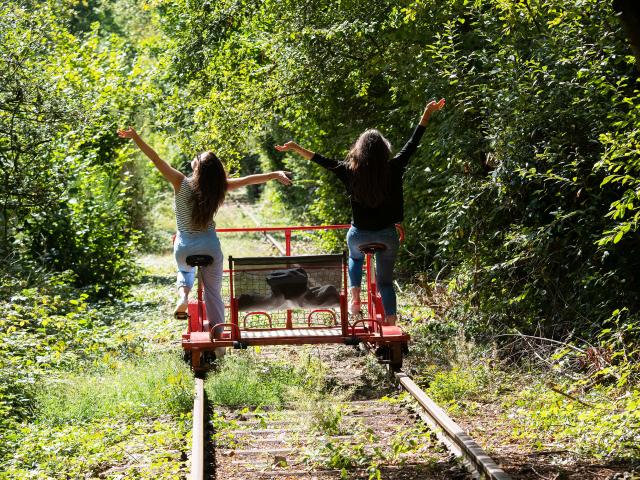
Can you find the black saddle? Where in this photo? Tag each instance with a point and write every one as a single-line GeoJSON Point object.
{"type": "Point", "coordinates": [199, 260]}
{"type": "Point", "coordinates": [371, 248]}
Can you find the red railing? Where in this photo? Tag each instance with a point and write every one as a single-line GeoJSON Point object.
{"type": "Point", "coordinates": [288, 230]}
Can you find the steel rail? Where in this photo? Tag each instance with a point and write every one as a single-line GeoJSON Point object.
{"type": "Point", "coordinates": [452, 435]}
{"type": "Point", "coordinates": [268, 236]}
{"type": "Point", "coordinates": [197, 442]}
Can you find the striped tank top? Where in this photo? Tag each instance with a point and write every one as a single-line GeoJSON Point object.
{"type": "Point", "coordinates": [182, 206]}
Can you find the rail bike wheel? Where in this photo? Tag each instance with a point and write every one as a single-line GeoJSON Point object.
{"type": "Point", "coordinates": [196, 360]}
{"type": "Point", "coordinates": [396, 355]}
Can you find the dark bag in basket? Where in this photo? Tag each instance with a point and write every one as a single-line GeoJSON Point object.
{"type": "Point", "coordinates": [291, 282]}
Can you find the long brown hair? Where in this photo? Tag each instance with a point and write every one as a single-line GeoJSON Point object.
{"type": "Point", "coordinates": [368, 159]}
{"type": "Point", "coordinates": [209, 185]}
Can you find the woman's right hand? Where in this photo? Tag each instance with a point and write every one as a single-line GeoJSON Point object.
{"type": "Point", "coordinates": [287, 147]}
{"type": "Point", "coordinates": [127, 133]}
{"type": "Point", "coordinates": [282, 177]}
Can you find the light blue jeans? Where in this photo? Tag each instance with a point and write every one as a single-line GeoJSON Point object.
{"type": "Point", "coordinates": [384, 261]}
{"type": "Point", "coordinates": [202, 243]}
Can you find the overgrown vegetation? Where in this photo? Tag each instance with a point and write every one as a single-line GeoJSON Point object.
{"type": "Point", "coordinates": [251, 381]}
{"type": "Point", "coordinates": [70, 196]}
{"type": "Point", "coordinates": [534, 390]}
{"type": "Point", "coordinates": [521, 205]}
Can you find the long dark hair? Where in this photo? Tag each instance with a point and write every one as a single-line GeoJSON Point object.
{"type": "Point", "coordinates": [368, 159]}
{"type": "Point", "coordinates": [209, 185]}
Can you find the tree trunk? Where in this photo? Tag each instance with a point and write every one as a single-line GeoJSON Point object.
{"type": "Point", "coordinates": [629, 13]}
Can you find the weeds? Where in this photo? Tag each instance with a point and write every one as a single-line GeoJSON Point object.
{"type": "Point", "coordinates": [101, 448]}
{"type": "Point", "coordinates": [150, 386]}
{"type": "Point", "coordinates": [247, 380]}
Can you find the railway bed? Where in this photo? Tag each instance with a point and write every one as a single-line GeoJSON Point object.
{"type": "Point", "coordinates": [376, 436]}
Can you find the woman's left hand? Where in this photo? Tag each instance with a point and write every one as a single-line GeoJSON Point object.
{"type": "Point", "coordinates": [431, 107]}
{"type": "Point", "coordinates": [434, 106]}
{"type": "Point", "coordinates": [282, 177]}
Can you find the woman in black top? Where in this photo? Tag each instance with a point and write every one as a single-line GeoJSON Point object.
{"type": "Point", "coordinates": [374, 183]}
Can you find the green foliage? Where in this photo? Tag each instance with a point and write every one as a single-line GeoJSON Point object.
{"type": "Point", "coordinates": [53, 332]}
{"type": "Point", "coordinates": [105, 448]}
{"type": "Point", "coordinates": [245, 380]}
{"type": "Point", "coordinates": [451, 386]}
{"type": "Point", "coordinates": [151, 386]}
{"type": "Point", "coordinates": [50, 326]}
{"type": "Point", "coordinates": [604, 427]}
{"type": "Point", "coordinates": [524, 195]}
{"type": "Point", "coordinates": [70, 198]}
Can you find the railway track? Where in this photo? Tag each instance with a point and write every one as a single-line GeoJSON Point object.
{"type": "Point", "coordinates": [373, 439]}
{"type": "Point", "coordinates": [408, 439]}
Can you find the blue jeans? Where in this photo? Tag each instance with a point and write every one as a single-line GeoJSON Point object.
{"type": "Point", "coordinates": [384, 261]}
{"type": "Point", "coordinates": [202, 243]}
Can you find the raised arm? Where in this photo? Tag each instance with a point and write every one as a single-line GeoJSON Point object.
{"type": "Point", "coordinates": [168, 172]}
{"type": "Point", "coordinates": [279, 176]}
{"type": "Point", "coordinates": [412, 144]}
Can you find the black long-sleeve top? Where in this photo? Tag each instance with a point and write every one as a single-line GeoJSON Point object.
{"type": "Point", "coordinates": [391, 210]}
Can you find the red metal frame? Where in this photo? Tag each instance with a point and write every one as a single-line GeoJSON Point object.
{"type": "Point", "coordinates": [321, 310]}
{"type": "Point", "coordinates": [266, 314]}
{"type": "Point", "coordinates": [370, 329]}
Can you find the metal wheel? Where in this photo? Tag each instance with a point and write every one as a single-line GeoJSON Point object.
{"type": "Point", "coordinates": [395, 356]}
{"type": "Point", "coordinates": [196, 360]}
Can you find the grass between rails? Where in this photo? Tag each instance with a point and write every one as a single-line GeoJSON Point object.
{"type": "Point", "coordinates": [301, 385]}
{"type": "Point", "coordinates": [245, 379]}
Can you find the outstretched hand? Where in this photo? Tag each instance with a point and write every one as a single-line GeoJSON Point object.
{"type": "Point", "coordinates": [282, 177]}
{"type": "Point", "coordinates": [294, 147]}
{"type": "Point", "coordinates": [431, 107]}
{"type": "Point", "coordinates": [287, 147]}
{"type": "Point", "coordinates": [127, 133]}
{"type": "Point", "coordinates": [434, 106]}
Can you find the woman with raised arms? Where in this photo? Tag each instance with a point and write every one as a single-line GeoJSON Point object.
{"type": "Point", "coordinates": [373, 179]}
{"type": "Point", "coordinates": [196, 201]}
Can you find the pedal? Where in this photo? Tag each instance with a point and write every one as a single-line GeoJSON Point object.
{"type": "Point", "coordinates": [181, 315]}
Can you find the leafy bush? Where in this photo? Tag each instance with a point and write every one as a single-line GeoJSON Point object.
{"type": "Point", "coordinates": [70, 198]}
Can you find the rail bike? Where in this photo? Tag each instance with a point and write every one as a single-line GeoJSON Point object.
{"type": "Point", "coordinates": [290, 300]}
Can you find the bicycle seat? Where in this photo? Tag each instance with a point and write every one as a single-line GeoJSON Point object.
{"type": "Point", "coordinates": [371, 248]}
{"type": "Point", "coordinates": [199, 260]}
